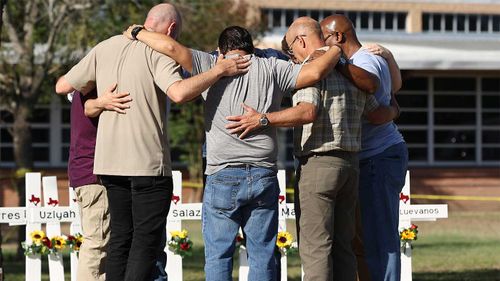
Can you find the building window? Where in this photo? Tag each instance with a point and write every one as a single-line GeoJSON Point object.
{"type": "Point", "coordinates": [49, 133]}
{"type": "Point", "coordinates": [458, 23]}
{"type": "Point", "coordinates": [451, 120]}
{"type": "Point", "coordinates": [362, 20]}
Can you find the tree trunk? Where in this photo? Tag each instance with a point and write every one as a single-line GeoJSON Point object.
{"type": "Point", "coordinates": [2, 5]}
{"type": "Point", "coordinates": [23, 154]}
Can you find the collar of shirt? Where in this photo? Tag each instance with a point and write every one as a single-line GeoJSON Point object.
{"type": "Point", "coordinates": [324, 48]}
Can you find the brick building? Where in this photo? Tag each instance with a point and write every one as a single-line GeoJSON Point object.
{"type": "Point", "coordinates": [449, 54]}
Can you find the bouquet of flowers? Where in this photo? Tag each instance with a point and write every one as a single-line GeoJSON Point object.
{"type": "Point", "coordinates": [285, 243]}
{"type": "Point", "coordinates": [74, 242]}
{"type": "Point", "coordinates": [407, 236]}
{"type": "Point", "coordinates": [180, 243]}
{"type": "Point", "coordinates": [43, 245]}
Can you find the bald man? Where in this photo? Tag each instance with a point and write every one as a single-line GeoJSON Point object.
{"type": "Point", "coordinates": [383, 160]}
{"type": "Point", "coordinates": [327, 151]}
{"type": "Point", "coordinates": [132, 157]}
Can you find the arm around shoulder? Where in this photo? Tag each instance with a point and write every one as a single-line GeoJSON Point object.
{"type": "Point", "coordinates": [318, 69]}
{"type": "Point", "coordinates": [384, 114]}
{"type": "Point", "coordinates": [362, 79]}
{"type": "Point", "coordinates": [166, 45]}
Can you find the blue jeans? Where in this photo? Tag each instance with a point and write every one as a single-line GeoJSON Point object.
{"type": "Point", "coordinates": [240, 196]}
{"type": "Point", "coordinates": [159, 273]}
{"type": "Point", "coordinates": [381, 180]}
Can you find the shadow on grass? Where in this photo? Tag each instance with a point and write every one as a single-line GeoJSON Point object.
{"type": "Point", "coordinates": [14, 268]}
{"type": "Point", "coordinates": [468, 275]}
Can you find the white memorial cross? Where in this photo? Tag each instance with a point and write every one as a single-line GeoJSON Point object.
{"type": "Point", "coordinates": [36, 212]}
{"type": "Point", "coordinates": [409, 213]}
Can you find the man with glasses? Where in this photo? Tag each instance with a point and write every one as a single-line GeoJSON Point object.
{"type": "Point", "coordinates": [383, 160]}
{"type": "Point", "coordinates": [327, 152]}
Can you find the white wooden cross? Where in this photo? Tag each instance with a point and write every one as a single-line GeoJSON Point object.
{"type": "Point", "coordinates": [45, 210]}
{"type": "Point", "coordinates": [48, 211]}
{"type": "Point", "coordinates": [409, 213]}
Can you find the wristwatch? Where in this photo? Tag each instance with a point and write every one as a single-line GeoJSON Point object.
{"type": "Point", "coordinates": [263, 121]}
{"type": "Point", "coordinates": [136, 31]}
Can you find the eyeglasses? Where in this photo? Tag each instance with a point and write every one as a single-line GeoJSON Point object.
{"type": "Point", "coordinates": [289, 51]}
{"type": "Point", "coordinates": [328, 36]}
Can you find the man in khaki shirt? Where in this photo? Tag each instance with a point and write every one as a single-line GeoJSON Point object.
{"type": "Point", "coordinates": [132, 151]}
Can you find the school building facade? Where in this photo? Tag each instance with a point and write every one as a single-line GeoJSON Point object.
{"type": "Point", "coordinates": [449, 55]}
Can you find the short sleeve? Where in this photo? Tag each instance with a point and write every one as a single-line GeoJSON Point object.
{"type": "Point", "coordinates": [286, 74]}
{"type": "Point", "coordinates": [165, 71]}
{"type": "Point", "coordinates": [82, 76]}
{"type": "Point", "coordinates": [371, 104]}
{"type": "Point", "coordinates": [309, 95]}
{"type": "Point", "coordinates": [202, 61]}
{"type": "Point", "coordinates": [367, 62]}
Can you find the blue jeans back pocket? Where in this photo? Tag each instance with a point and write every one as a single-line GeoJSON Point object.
{"type": "Point", "coordinates": [224, 192]}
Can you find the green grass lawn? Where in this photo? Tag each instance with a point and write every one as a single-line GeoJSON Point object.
{"type": "Point", "coordinates": [464, 247]}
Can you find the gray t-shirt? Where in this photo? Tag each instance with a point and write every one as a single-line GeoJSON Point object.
{"type": "Point", "coordinates": [262, 88]}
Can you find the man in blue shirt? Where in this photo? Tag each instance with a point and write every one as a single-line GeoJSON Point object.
{"type": "Point", "coordinates": [383, 157]}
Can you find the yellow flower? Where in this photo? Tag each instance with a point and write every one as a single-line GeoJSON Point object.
{"type": "Point", "coordinates": [175, 233]}
{"type": "Point", "coordinates": [407, 235]}
{"type": "Point", "coordinates": [284, 239]}
{"type": "Point", "coordinates": [37, 236]}
{"type": "Point", "coordinates": [78, 242]}
{"type": "Point", "coordinates": [183, 234]}
{"type": "Point", "coordinates": [59, 242]}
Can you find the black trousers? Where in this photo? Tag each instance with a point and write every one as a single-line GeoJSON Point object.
{"type": "Point", "coordinates": [138, 208]}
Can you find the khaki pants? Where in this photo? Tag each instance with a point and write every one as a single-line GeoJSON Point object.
{"type": "Point", "coordinates": [94, 212]}
{"type": "Point", "coordinates": [328, 190]}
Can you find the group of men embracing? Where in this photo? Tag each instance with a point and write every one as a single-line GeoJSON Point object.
{"type": "Point", "coordinates": [351, 159]}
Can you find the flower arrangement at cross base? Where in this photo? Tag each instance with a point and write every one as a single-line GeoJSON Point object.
{"type": "Point", "coordinates": [74, 242]}
{"type": "Point", "coordinates": [180, 244]}
{"type": "Point", "coordinates": [407, 236]}
{"type": "Point", "coordinates": [43, 245]}
{"type": "Point", "coordinates": [285, 243]}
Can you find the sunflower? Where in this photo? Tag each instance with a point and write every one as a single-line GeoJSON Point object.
{"type": "Point", "coordinates": [183, 234]}
{"type": "Point", "coordinates": [78, 244]}
{"type": "Point", "coordinates": [175, 233]}
{"type": "Point", "coordinates": [59, 242]}
{"type": "Point", "coordinates": [37, 236]}
{"type": "Point", "coordinates": [408, 235]}
{"type": "Point", "coordinates": [284, 239]}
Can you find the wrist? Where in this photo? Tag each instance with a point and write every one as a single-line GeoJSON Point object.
{"type": "Point", "coordinates": [264, 121]}
{"type": "Point", "coordinates": [100, 104]}
{"type": "Point", "coordinates": [219, 71]}
{"type": "Point", "coordinates": [135, 32]}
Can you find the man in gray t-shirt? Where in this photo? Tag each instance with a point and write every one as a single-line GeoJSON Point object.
{"type": "Point", "coordinates": [242, 187]}
{"type": "Point", "coordinates": [262, 88]}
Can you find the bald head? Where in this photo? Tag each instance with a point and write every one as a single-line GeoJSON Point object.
{"type": "Point", "coordinates": [302, 38]}
{"type": "Point", "coordinates": [164, 18]}
{"type": "Point", "coordinates": [340, 26]}
{"type": "Point", "coordinates": [338, 23]}
{"type": "Point", "coordinates": [303, 26]}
